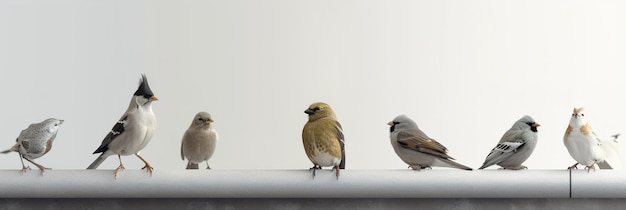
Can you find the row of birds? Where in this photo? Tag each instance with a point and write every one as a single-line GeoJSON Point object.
{"type": "Point", "coordinates": [322, 137]}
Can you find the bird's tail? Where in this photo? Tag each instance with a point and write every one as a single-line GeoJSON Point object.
{"type": "Point", "coordinates": [6, 151]}
{"type": "Point", "coordinates": [191, 165]}
{"type": "Point", "coordinates": [97, 162]}
{"type": "Point", "coordinates": [449, 163]}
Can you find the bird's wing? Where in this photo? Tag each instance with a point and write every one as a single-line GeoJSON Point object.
{"type": "Point", "coordinates": [416, 140]}
{"type": "Point", "coordinates": [341, 139]}
{"type": "Point", "coordinates": [117, 130]}
{"type": "Point", "coordinates": [182, 144]}
{"type": "Point", "coordinates": [501, 152]}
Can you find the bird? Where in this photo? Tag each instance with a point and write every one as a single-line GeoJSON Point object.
{"type": "Point", "coordinates": [133, 131]}
{"type": "Point", "coordinates": [35, 141]}
{"type": "Point", "coordinates": [582, 143]}
{"type": "Point", "coordinates": [323, 140]}
{"type": "Point", "coordinates": [416, 149]}
{"type": "Point", "coordinates": [515, 146]}
{"type": "Point", "coordinates": [199, 141]}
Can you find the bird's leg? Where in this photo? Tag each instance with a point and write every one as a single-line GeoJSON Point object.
{"type": "Point", "coordinates": [315, 167]}
{"type": "Point", "coordinates": [418, 167]}
{"type": "Point", "coordinates": [147, 166]}
{"type": "Point", "coordinates": [589, 168]}
{"type": "Point", "coordinates": [120, 167]}
{"type": "Point", "coordinates": [207, 165]}
{"type": "Point", "coordinates": [24, 167]}
{"type": "Point", "coordinates": [42, 168]}
{"type": "Point", "coordinates": [336, 168]}
{"type": "Point", "coordinates": [573, 167]}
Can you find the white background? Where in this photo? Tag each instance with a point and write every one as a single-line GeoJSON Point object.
{"type": "Point", "coordinates": [463, 70]}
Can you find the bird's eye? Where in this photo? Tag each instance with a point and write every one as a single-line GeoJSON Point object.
{"type": "Point", "coordinates": [200, 119]}
{"type": "Point", "coordinates": [573, 115]}
{"type": "Point", "coordinates": [317, 108]}
{"type": "Point", "coordinates": [582, 115]}
{"type": "Point", "coordinates": [395, 123]}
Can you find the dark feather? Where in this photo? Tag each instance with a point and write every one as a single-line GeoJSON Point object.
{"type": "Point", "coordinates": [144, 89]}
{"type": "Point", "coordinates": [118, 129]}
{"type": "Point", "coordinates": [341, 139]}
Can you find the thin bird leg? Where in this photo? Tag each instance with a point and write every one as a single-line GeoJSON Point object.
{"type": "Point", "coordinates": [573, 167]}
{"type": "Point", "coordinates": [315, 167]}
{"type": "Point", "coordinates": [336, 168]}
{"type": "Point", "coordinates": [120, 167]}
{"type": "Point", "coordinates": [147, 166]}
{"type": "Point", "coordinates": [24, 167]}
{"type": "Point", "coordinates": [589, 168]}
{"type": "Point", "coordinates": [42, 168]}
{"type": "Point", "coordinates": [207, 165]}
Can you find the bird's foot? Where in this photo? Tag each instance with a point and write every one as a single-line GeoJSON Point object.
{"type": "Point", "coordinates": [24, 168]}
{"type": "Point", "coordinates": [575, 166]}
{"type": "Point", "coordinates": [121, 167]}
{"type": "Point", "coordinates": [520, 167]}
{"type": "Point", "coordinates": [315, 167]}
{"type": "Point", "coordinates": [589, 168]}
{"type": "Point", "coordinates": [419, 167]}
{"type": "Point", "coordinates": [148, 168]}
{"type": "Point", "coordinates": [336, 168]}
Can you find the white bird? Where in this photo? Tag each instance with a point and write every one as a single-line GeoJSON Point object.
{"type": "Point", "coordinates": [133, 131]}
{"type": "Point", "coordinates": [416, 149]}
{"type": "Point", "coordinates": [199, 141]}
{"type": "Point", "coordinates": [35, 141]}
{"type": "Point", "coordinates": [581, 142]}
{"type": "Point", "coordinates": [515, 146]}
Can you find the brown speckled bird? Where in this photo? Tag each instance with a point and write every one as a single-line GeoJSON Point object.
{"type": "Point", "coordinates": [323, 139]}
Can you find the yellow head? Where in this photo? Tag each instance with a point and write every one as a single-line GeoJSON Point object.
{"type": "Point", "coordinates": [320, 110]}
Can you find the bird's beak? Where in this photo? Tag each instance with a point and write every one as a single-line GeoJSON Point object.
{"type": "Point", "coordinates": [154, 98]}
{"type": "Point", "coordinates": [390, 123]}
{"type": "Point", "coordinates": [61, 122]}
{"type": "Point", "coordinates": [309, 111]}
{"type": "Point", "coordinates": [536, 124]}
{"type": "Point", "coordinates": [208, 121]}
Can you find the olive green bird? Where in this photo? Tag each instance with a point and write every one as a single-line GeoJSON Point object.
{"type": "Point", "coordinates": [323, 139]}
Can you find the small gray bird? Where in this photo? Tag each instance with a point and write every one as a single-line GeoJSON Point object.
{"type": "Point", "coordinates": [35, 141]}
{"type": "Point", "coordinates": [415, 148]}
{"type": "Point", "coordinates": [515, 146]}
{"type": "Point", "coordinates": [133, 131]}
{"type": "Point", "coordinates": [199, 141]}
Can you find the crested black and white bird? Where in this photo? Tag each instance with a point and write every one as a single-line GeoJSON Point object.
{"type": "Point", "coordinates": [133, 131]}
{"type": "Point", "coordinates": [416, 149]}
{"type": "Point", "coordinates": [199, 141]}
{"type": "Point", "coordinates": [35, 141]}
{"type": "Point", "coordinates": [515, 146]}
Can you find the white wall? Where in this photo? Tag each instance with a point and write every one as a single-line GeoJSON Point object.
{"type": "Point", "coordinates": [463, 70]}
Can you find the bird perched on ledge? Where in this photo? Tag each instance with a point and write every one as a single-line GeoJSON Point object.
{"type": "Point", "coordinates": [515, 146]}
{"type": "Point", "coordinates": [133, 131]}
{"type": "Point", "coordinates": [199, 141]}
{"type": "Point", "coordinates": [582, 143]}
{"type": "Point", "coordinates": [323, 139]}
{"type": "Point", "coordinates": [415, 148]}
{"type": "Point", "coordinates": [35, 141]}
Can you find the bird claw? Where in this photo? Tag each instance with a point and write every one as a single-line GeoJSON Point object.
{"type": "Point", "coordinates": [589, 168]}
{"type": "Point", "coordinates": [315, 167]}
{"type": "Point", "coordinates": [575, 166]}
{"type": "Point", "coordinates": [418, 167]}
{"type": "Point", "coordinates": [336, 168]}
{"type": "Point", "coordinates": [121, 167]}
{"type": "Point", "coordinates": [24, 168]}
{"type": "Point", "coordinates": [148, 168]}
